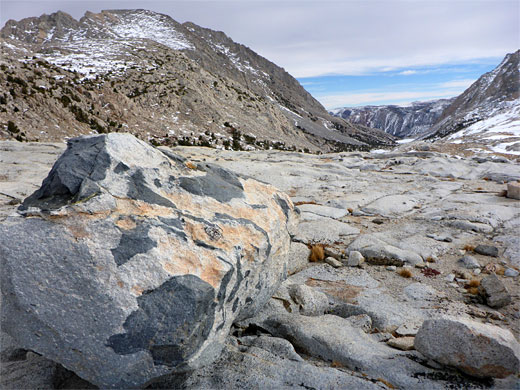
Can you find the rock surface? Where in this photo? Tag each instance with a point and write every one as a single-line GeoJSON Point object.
{"type": "Point", "coordinates": [445, 189]}
{"type": "Point", "coordinates": [127, 265]}
{"type": "Point", "coordinates": [477, 349]}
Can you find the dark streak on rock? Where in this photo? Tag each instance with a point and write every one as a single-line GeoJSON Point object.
{"type": "Point", "coordinates": [218, 183]}
{"type": "Point", "coordinates": [171, 323]}
{"type": "Point", "coordinates": [87, 160]}
{"type": "Point", "coordinates": [131, 243]}
{"type": "Point", "coordinates": [138, 189]}
{"type": "Point", "coordinates": [284, 205]}
{"type": "Point", "coordinates": [243, 221]}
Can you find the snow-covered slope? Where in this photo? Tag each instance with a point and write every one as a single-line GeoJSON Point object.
{"type": "Point", "coordinates": [399, 121]}
{"type": "Point", "coordinates": [495, 93]}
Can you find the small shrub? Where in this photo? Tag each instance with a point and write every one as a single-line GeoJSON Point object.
{"type": "Point", "coordinates": [405, 273]}
{"type": "Point", "coordinates": [473, 283]}
{"type": "Point", "coordinates": [12, 128]}
{"type": "Point", "coordinates": [472, 290]}
{"type": "Point", "coordinates": [469, 248]}
{"type": "Point", "coordinates": [317, 253]}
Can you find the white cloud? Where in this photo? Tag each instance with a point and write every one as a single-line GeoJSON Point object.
{"type": "Point", "coordinates": [349, 37]}
{"type": "Point", "coordinates": [458, 83]}
{"type": "Point", "coordinates": [437, 91]}
{"type": "Point", "coordinates": [408, 72]}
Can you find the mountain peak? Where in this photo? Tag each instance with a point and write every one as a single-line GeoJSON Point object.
{"type": "Point", "coordinates": [165, 81]}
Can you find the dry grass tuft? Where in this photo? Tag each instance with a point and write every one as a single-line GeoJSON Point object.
{"type": "Point", "coordinates": [190, 165]}
{"type": "Point", "coordinates": [473, 283]}
{"type": "Point", "coordinates": [469, 248]}
{"type": "Point", "coordinates": [473, 290]}
{"type": "Point", "coordinates": [305, 202]}
{"type": "Point", "coordinates": [405, 273]}
{"type": "Point", "coordinates": [317, 253]}
{"type": "Point", "coordinates": [386, 383]}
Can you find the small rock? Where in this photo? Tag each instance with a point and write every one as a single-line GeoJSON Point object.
{"type": "Point", "coordinates": [312, 302]}
{"type": "Point", "coordinates": [408, 329]}
{"type": "Point", "coordinates": [382, 337]}
{"type": "Point", "coordinates": [392, 268]}
{"type": "Point", "coordinates": [513, 190]}
{"type": "Point", "coordinates": [440, 237]}
{"type": "Point", "coordinates": [333, 262]}
{"type": "Point", "coordinates": [487, 250]}
{"type": "Point", "coordinates": [298, 257]}
{"type": "Point", "coordinates": [378, 221]}
{"type": "Point", "coordinates": [469, 262]}
{"type": "Point", "coordinates": [355, 259]}
{"type": "Point", "coordinates": [511, 272]}
{"type": "Point", "coordinates": [14, 202]}
{"type": "Point", "coordinates": [454, 285]}
{"type": "Point", "coordinates": [450, 278]}
{"type": "Point", "coordinates": [420, 265]}
{"type": "Point", "coordinates": [476, 271]}
{"type": "Point", "coordinates": [333, 252]}
{"type": "Point", "coordinates": [494, 292]}
{"type": "Point", "coordinates": [480, 350]}
{"type": "Point", "coordinates": [361, 321]}
{"type": "Point", "coordinates": [402, 343]}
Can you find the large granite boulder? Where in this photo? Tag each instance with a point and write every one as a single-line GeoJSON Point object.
{"type": "Point", "coordinates": [480, 350]}
{"type": "Point", "coordinates": [130, 262]}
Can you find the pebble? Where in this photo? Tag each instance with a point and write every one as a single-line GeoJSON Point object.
{"type": "Point", "coordinates": [420, 265]}
{"type": "Point", "coordinates": [355, 259]}
{"type": "Point", "coordinates": [450, 278]}
{"type": "Point", "coordinates": [469, 262]}
{"type": "Point", "coordinates": [512, 273]}
{"type": "Point", "coordinates": [454, 285]}
{"type": "Point", "coordinates": [440, 237]}
{"type": "Point", "coordinates": [402, 343]}
{"type": "Point", "coordinates": [382, 336]}
{"type": "Point", "coordinates": [333, 262]}
{"type": "Point", "coordinates": [487, 250]}
{"type": "Point", "coordinates": [378, 221]}
{"type": "Point", "coordinates": [494, 292]}
{"type": "Point", "coordinates": [392, 268]}
{"type": "Point", "coordinates": [476, 271]}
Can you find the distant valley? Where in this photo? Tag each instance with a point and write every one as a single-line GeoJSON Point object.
{"type": "Point", "coordinates": [399, 121]}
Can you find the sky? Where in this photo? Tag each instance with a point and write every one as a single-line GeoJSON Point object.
{"type": "Point", "coordinates": [346, 52]}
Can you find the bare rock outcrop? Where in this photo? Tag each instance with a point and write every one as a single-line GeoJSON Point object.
{"type": "Point", "coordinates": [130, 263]}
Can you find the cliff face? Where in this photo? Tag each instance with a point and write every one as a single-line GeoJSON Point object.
{"type": "Point", "coordinates": [398, 121]}
{"type": "Point", "coordinates": [167, 82]}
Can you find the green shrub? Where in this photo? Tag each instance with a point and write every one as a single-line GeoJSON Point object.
{"type": "Point", "coordinates": [12, 128]}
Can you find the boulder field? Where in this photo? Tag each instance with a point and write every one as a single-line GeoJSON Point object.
{"type": "Point", "coordinates": [182, 268]}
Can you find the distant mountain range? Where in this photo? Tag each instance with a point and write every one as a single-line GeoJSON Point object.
{"type": "Point", "coordinates": [490, 104]}
{"type": "Point", "coordinates": [166, 82]}
{"type": "Point", "coordinates": [399, 121]}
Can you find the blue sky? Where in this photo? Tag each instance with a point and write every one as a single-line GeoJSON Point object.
{"type": "Point", "coordinates": [346, 52]}
{"type": "Point", "coordinates": [400, 86]}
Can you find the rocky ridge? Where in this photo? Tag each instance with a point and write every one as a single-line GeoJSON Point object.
{"type": "Point", "coordinates": [423, 245]}
{"type": "Point", "coordinates": [168, 83]}
{"type": "Point", "coordinates": [487, 111]}
{"type": "Point", "coordinates": [399, 121]}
